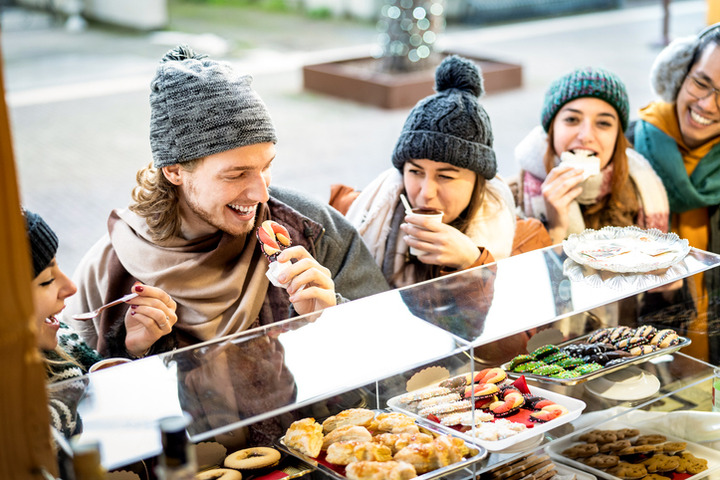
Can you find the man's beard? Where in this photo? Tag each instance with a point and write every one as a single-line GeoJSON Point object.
{"type": "Point", "coordinates": [196, 209]}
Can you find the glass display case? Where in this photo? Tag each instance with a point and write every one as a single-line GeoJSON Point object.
{"type": "Point", "coordinates": [251, 385]}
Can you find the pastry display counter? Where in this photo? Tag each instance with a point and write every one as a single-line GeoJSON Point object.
{"type": "Point", "coordinates": [251, 385]}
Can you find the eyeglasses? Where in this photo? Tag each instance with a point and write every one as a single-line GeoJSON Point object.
{"type": "Point", "coordinates": [700, 89]}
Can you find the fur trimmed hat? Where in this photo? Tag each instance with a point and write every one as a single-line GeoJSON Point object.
{"type": "Point", "coordinates": [43, 241]}
{"type": "Point", "coordinates": [586, 82]}
{"type": "Point", "coordinates": [672, 64]}
{"type": "Point", "coordinates": [450, 126]}
{"type": "Point", "coordinates": [200, 107]}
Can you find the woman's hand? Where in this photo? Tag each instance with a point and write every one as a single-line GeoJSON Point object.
{"type": "Point", "coordinates": [560, 188]}
{"type": "Point", "coordinates": [151, 315]}
{"type": "Point", "coordinates": [311, 285]}
{"type": "Point", "coordinates": [445, 245]}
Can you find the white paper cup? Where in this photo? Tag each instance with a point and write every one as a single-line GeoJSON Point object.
{"type": "Point", "coordinates": [107, 363]}
{"type": "Point", "coordinates": [435, 216]}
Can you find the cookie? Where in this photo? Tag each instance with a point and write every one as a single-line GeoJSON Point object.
{"type": "Point", "coordinates": [671, 448]}
{"type": "Point", "coordinates": [626, 433]}
{"type": "Point", "coordinates": [661, 463]}
{"type": "Point", "coordinates": [637, 453]}
{"type": "Point", "coordinates": [651, 439]}
{"type": "Point", "coordinates": [601, 461]}
{"type": "Point", "coordinates": [628, 471]}
{"type": "Point", "coordinates": [581, 450]}
{"type": "Point", "coordinates": [598, 436]}
{"type": "Point", "coordinates": [691, 464]}
{"type": "Point", "coordinates": [614, 446]}
{"type": "Point", "coordinates": [544, 351]}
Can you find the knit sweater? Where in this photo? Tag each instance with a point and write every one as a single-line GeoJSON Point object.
{"type": "Point", "coordinates": [66, 370]}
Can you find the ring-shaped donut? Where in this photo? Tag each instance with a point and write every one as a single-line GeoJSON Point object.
{"type": "Point", "coordinates": [251, 458]}
{"type": "Point", "coordinates": [219, 474]}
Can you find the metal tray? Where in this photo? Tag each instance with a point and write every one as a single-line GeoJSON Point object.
{"type": "Point", "coordinates": [477, 453]}
{"type": "Point", "coordinates": [684, 342]}
{"type": "Point", "coordinates": [575, 408]}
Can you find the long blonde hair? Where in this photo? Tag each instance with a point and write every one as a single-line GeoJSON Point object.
{"type": "Point", "coordinates": [157, 200]}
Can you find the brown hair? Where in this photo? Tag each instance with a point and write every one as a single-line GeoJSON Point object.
{"type": "Point", "coordinates": [157, 201]}
{"type": "Point", "coordinates": [622, 196]}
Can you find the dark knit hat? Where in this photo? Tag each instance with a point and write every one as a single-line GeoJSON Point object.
{"type": "Point", "coordinates": [450, 126]}
{"type": "Point", "coordinates": [43, 241]}
{"type": "Point", "coordinates": [586, 82]}
{"type": "Point", "coordinates": [200, 107]}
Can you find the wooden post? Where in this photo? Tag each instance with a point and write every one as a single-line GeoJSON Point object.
{"type": "Point", "coordinates": [25, 445]}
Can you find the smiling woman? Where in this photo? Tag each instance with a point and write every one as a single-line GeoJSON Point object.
{"type": "Point", "coordinates": [585, 113]}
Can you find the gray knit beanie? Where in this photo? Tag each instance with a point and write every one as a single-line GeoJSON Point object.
{"type": "Point", "coordinates": [200, 107]}
{"type": "Point", "coordinates": [450, 126]}
{"type": "Point", "coordinates": [43, 241]}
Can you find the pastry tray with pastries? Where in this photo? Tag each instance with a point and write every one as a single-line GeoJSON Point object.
{"type": "Point", "coordinates": [615, 450]}
{"type": "Point", "coordinates": [359, 444]}
{"type": "Point", "coordinates": [591, 356]}
{"type": "Point", "coordinates": [505, 415]}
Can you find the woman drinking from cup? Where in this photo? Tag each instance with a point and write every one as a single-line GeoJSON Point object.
{"type": "Point", "coordinates": [444, 162]}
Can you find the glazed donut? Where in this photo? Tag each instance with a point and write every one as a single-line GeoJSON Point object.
{"type": "Point", "coordinates": [219, 474]}
{"type": "Point", "coordinates": [252, 458]}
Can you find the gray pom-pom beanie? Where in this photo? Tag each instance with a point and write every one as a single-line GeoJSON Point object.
{"type": "Point", "coordinates": [450, 126]}
{"type": "Point", "coordinates": [43, 241]}
{"type": "Point", "coordinates": [200, 107]}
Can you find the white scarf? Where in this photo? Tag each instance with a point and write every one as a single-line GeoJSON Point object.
{"type": "Point", "coordinates": [371, 213]}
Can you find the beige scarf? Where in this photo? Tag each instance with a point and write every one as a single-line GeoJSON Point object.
{"type": "Point", "coordinates": [218, 281]}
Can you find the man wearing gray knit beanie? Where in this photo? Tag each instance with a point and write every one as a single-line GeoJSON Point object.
{"type": "Point", "coordinates": [191, 230]}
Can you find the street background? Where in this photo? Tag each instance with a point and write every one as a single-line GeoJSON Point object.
{"type": "Point", "coordinates": [79, 106]}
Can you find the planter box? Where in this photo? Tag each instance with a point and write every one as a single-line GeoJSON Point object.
{"type": "Point", "coordinates": [359, 79]}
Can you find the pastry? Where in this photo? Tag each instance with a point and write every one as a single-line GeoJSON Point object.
{"type": "Point", "coordinates": [548, 413]}
{"type": "Point", "coordinates": [219, 474]}
{"type": "Point", "coordinates": [344, 453]}
{"type": "Point", "coordinates": [395, 422]}
{"type": "Point", "coordinates": [305, 436]}
{"type": "Point", "coordinates": [352, 416]}
{"type": "Point", "coordinates": [391, 470]}
{"type": "Point", "coordinates": [252, 458]}
{"type": "Point", "coordinates": [581, 159]}
{"type": "Point", "coordinates": [348, 433]}
{"type": "Point", "coordinates": [273, 239]}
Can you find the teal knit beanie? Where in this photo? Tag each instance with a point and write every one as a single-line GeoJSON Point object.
{"type": "Point", "coordinates": [586, 82]}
